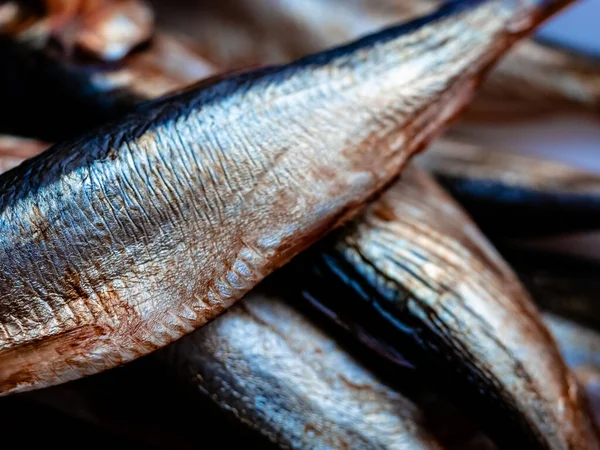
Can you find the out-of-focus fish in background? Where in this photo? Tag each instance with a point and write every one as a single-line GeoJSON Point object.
{"type": "Point", "coordinates": [509, 195]}
{"type": "Point", "coordinates": [271, 368]}
{"type": "Point", "coordinates": [37, 76]}
{"type": "Point", "coordinates": [535, 79]}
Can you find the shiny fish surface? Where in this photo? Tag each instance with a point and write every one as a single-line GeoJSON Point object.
{"type": "Point", "coordinates": [271, 368]}
{"type": "Point", "coordinates": [416, 280]}
{"type": "Point", "coordinates": [117, 400]}
{"type": "Point", "coordinates": [122, 240]}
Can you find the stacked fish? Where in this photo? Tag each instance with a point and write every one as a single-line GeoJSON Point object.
{"type": "Point", "coordinates": [205, 147]}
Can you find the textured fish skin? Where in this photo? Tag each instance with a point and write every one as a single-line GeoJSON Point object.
{"type": "Point", "coordinates": [215, 359]}
{"type": "Point", "coordinates": [567, 286]}
{"type": "Point", "coordinates": [264, 345]}
{"type": "Point", "coordinates": [35, 79]}
{"type": "Point", "coordinates": [416, 276]}
{"type": "Point", "coordinates": [580, 347]}
{"type": "Point", "coordinates": [511, 195]}
{"type": "Point", "coordinates": [120, 241]}
{"type": "Point", "coordinates": [271, 368]}
{"type": "Point", "coordinates": [205, 356]}
{"type": "Point", "coordinates": [536, 78]}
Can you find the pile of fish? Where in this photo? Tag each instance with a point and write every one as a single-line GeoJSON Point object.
{"type": "Point", "coordinates": [212, 227]}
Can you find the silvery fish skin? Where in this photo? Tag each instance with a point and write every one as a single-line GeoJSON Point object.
{"type": "Point", "coordinates": [535, 78]}
{"type": "Point", "coordinates": [264, 351]}
{"type": "Point", "coordinates": [415, 279]}
{"type": "Point", "coordinates": [117, 400]}
{"type": "Point", "coordinates": [580, 347]}
{"type": "Point", "coordinates": [124, 239]}
{"type": "Point", "coordinates": [271, 368]}
{"type": "Point", "coordinates": [35, 79]}
{"type": "Point", "coordinates": [511, 195]}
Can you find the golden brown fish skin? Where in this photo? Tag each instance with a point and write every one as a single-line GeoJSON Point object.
{"type": "Point", "coordinates": [117, 400]}
{"type": "Point", "coordinates": [511, 195]}
{"type": "Point", "coordinates": [271, 368]}
{"type": "Point", "coordinates": [263, 345]}
{"type": "Point", "coordinates": [122, 240]}
{"type": "Point", "coordinates": [415, 274]}
{"type": "Point", "coordinates": [535, 79]}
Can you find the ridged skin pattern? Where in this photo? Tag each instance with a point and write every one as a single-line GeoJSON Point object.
{"type": "Point", "coordinates": [271, 368]}
{"type": "Point", "coordinates": [449, 304]}
{"type": "Point", "coordinates": [120, 241]}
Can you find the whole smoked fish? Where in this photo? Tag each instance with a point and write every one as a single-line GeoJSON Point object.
{"type": "Point", "coordinates": [269, 367]}
{"type": "Point", "coordinates": [115, 243]}
{"type": "Point", "coordinates": [416, 280]}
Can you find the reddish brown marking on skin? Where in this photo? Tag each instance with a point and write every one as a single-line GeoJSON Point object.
{"type": "Point", "coordinates": [172, 263]}
{"type": "Point", "coordinates": [430, 266]}
{"type": "Point", "coordinates": [16, 371]}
